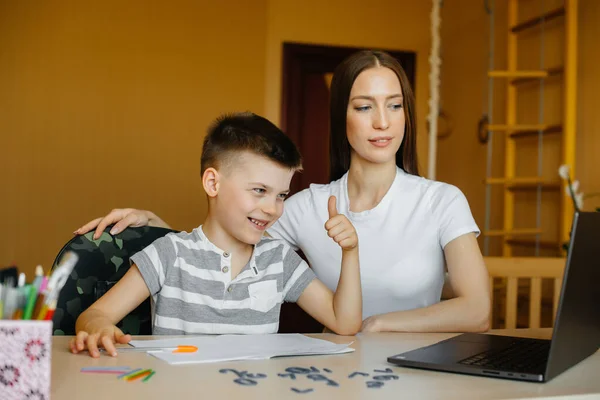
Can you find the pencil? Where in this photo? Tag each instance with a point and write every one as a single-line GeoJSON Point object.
{"type": "Point", "coordinates": [137, 375]}
{"type": "Point", "coordinates": [149, 376]}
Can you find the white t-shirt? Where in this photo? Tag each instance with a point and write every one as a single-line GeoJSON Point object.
{"type": "Point", "coordinates": [401, 240]}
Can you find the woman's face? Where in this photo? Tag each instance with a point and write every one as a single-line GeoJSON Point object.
{"type": "Point", "coordinates": [375, 117]}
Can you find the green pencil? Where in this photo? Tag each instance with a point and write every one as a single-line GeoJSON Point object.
{"type": "Point", "coordinates": [149, 376]}
{"type": "Point", "coordinates": [136, 373]}
{"type": "Point", "coordinates": [31, 297]}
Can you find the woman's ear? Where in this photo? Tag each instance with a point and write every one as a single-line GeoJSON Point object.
{"type": "Point", "coordinates": [211, 182]}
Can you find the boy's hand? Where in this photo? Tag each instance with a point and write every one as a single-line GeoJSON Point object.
{"type": "Point", "coordinates": [339, 228]}
{"type": "Point", "coordinates": [98, 333]}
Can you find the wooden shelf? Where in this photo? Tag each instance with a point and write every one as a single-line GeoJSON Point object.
{"type": "Point", "coordinates": [530, 23]}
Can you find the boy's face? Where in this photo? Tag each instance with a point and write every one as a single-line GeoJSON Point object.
{"type": "Point", "coordinates": [250, 196]}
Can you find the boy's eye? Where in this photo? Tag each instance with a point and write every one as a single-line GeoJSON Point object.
{"type": "Point", "coordinates": [283, 196]}
{"type": "Point", "coordinates": [259, 190]}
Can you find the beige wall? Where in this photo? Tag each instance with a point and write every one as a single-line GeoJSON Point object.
{"type": "Point", "coordinates": [105, 103]}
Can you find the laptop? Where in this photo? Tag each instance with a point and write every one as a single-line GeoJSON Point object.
{"type": "Point", "coordinates": [576, 333]}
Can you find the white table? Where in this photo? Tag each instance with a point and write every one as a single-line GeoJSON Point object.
{"type": "Point", "coordinates": [205, 381]}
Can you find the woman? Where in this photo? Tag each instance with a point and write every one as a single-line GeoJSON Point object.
{"type": "Point", "coordinates": [411, 229]}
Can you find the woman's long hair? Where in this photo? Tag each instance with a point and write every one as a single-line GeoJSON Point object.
{"type": "Point", "coordinates": [341, 85]}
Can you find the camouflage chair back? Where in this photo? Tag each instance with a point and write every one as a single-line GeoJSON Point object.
{"type": "Point", "coordinates": [101, 264]}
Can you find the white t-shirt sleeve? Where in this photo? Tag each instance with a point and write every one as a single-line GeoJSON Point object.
{"type": "Point", "coordinates": [451, 210]}
{"type": "Point", "coordinates": [288, 226]}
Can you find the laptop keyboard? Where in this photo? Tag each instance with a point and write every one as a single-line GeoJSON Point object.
{"type": "Point", "coordinates": [520, 356]}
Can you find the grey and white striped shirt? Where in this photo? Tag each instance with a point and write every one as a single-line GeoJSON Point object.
{"type": "Point", "coordinates": [189, 279]}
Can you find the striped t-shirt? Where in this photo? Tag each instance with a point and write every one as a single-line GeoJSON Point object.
{"type": "Point", "coordinates": [189, 279]}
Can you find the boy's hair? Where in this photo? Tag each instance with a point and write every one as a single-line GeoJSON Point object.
{"type": "Point", "coordinates": [238, 132]}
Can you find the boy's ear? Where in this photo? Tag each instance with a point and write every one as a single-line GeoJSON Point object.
{"type": "Point", "coordinates": [211, 182]}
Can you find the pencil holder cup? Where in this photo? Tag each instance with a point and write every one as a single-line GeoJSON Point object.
{"type": "Point", "coordinates": [25, 349]}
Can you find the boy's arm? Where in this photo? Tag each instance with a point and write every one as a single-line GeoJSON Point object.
{"type": "Point", "coordinates": [96, 325]}
{"type": "Point", "coordinates": [340, 311]}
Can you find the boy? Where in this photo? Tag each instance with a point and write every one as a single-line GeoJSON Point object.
{"type": "Point", "coordinates": [225, 276]}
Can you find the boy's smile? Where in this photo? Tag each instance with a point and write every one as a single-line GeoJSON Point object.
{"type": "Point", "coordinates": [246, 200]}
{"type": "Point", "coordinates": [259, 224]}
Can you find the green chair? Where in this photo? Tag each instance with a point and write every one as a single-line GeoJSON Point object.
{"type": "Point", "coordinates": [101, 264]}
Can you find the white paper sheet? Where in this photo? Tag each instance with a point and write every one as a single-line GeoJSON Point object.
{"type": "Point", "coordinates": [241, 347]}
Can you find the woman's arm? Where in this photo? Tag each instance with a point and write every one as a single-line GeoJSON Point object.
{"type": "Point", "coordinates": [122, 218]}
{"type": "Point", "coordinates": [469, 311]}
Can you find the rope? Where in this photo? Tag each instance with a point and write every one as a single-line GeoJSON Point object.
{"type": "Point", "coordinates": [434, 85]}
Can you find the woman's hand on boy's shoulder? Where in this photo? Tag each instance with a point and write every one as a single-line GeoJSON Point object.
{"type": "Point", "coordinates": [339, 227]}
{"type": "Point", "coordinates": [122, 218]}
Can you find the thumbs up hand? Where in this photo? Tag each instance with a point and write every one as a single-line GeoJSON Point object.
{"type": "Point", "coordinates": [339, 228]}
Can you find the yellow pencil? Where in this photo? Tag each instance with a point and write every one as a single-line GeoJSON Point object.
{"type": "Point", "coordinates": [43, 312]}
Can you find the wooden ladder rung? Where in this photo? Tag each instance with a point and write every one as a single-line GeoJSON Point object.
{"type": "Point", "coordinates": [518, 74]}
{"type": "Point", "coordinates": [533, 180]}
{"type": "Point", "coordinates": [513, 128]}
{"type": "Point", "coordinates": [530, 23]}
{"type": "Point", "coordinates": [544, 244]}
{"type": "Point", "coordinates": [545, 186]}
{"type": "Point", "coordinates": [524, 183]}
{"type": "Point", "coordinates": [550, 72]}
{"type": "Point", "coordinates": [522, 130]}
{"type": "Point", "coordinates": [533, 186]}
{"type": "Point", "coordinates": [515, 232]}
{"type": "Point", "coordinates": [534, 132]}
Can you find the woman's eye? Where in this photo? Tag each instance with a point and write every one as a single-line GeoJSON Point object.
{"type": "Point", "coordinates": [396, 106]}
{"type": "Point", "coordinates": [283, 196]}
{"type": "Point", "coordinates": [362, 108]}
